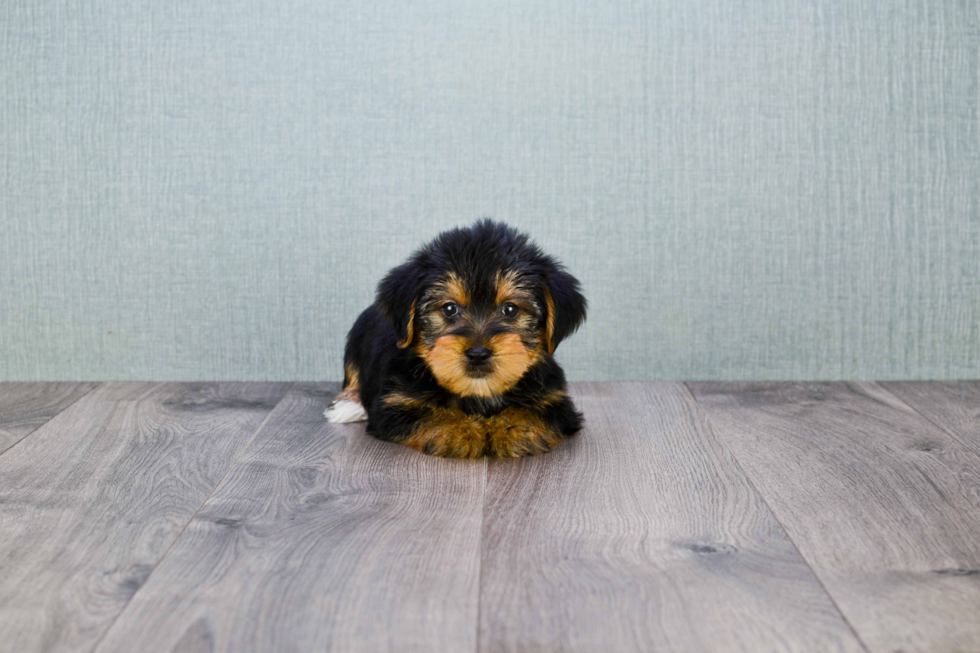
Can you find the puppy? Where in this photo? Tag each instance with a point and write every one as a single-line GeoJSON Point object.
{"type": "Point", "coordinates": [455, 356]}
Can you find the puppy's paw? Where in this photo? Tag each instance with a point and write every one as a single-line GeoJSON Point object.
{"type": "Point", "coordinates": [345, 411]}
{"type": "Point", "coordinates": [461, 437]}
{"type": "Point", "coordinates": [515, 433]}
{"type": "Point", "coordinates": [518, 445]}
{"type": "Point", "coordinates": [450, 447]}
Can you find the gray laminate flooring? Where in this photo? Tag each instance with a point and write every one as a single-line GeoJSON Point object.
{"type": "Point", "coordinates": [684, 517]}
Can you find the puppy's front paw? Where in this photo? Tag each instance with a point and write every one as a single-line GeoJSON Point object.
{"type": "Point", "coordinates": [449, 438]}
{"type": "Point", "coordinates": [518, 444]}
{"type": "Point", "coordinates": [517, 433]}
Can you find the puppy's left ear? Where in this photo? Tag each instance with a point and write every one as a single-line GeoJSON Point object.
{"type": "Point", "coordinates": [565, 306]}
{"type": "Point", "coordinates": [397, 298]}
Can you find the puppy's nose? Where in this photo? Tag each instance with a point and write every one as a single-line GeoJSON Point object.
{"type": "Point", "coordinates": [477, 355]}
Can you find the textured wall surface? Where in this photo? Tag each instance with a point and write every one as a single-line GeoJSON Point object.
{"type": "Point", "coordinates": [747, 189]}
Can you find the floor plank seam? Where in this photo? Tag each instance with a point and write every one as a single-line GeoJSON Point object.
{"type": "Point", "coordinates": [176, 539]}
{"type": "Point", "coordinates": [97, 385]}
{"type": "Point", "coordinates": [479, 575]}
{"type": "Point", "coordinates": [775, 516]}
{"type": "Point", "coordinates": [953, 434]}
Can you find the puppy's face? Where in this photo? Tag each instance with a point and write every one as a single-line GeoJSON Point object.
{"type": "Point", "coordinates": [478, 339]}
{"type": "Point", "coordinates": [480, 306]}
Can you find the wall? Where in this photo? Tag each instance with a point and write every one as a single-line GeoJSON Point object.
{"type": "Point", "coordinates": [747, 189]}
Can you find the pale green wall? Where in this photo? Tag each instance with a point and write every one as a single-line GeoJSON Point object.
{"type": "Point", "coordinates": [751, 189]}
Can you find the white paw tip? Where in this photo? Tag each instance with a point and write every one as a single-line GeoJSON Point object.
{"type": "Point", "coordinates": [345, 412]}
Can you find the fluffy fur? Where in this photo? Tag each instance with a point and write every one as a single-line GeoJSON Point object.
{"type": "Point", "coordinates": [454, 358]}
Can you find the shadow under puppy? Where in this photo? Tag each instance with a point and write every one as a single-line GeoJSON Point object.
{"type": "Point", "coordinates": [455, 356]}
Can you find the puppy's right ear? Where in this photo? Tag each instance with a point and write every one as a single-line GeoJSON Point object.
{"type": "Point", "coordinates": [397, 298]}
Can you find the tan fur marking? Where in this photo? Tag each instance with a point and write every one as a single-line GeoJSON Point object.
{"type": "Point", "coordinates": [512, 433]}
{"type": "Point", "coordinates": [550, 328]}
{"type": "Point", "coordinates": [409, 330]}
{"type": "Point", "coordinates": [353, 377]}
{"type": "Point", "coordinates": [352, 386]}
{"type": "Point", "coordinates": [449, 433]}
{"type": "Point", "coordinates": [456, 290]}
{"type": "Point", "coordinates": [400, 400]}
{"type": "Point", "coordinates": [510, 361]}
{"type": "Point", "coordinates": [553, 397]}
{"type": "Point", "coordinates": [447, 361]}
{"type": "Point", "coordinates": [348, 394]}
{"type": "Point", "coordinates": [506, 286]}
{"type": "Point", "coordinates": [517, 432]}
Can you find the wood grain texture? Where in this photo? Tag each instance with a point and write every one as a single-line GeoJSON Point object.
{"type": "Point", "coordinates": [641, 534]}
{"type": "Point", "coordinates": [882, 503]}
{"type": "Point", "coordinates": [90, 502]}
{"type": "Point", "coordinates": [26, 406]}
{"type": "Point", "coordinates": [321, 538]}
{"type": "Point", "coordinates": [953, 406]}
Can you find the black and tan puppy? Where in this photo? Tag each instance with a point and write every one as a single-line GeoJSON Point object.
{"type": "Point", "coordinates": [455, 356]}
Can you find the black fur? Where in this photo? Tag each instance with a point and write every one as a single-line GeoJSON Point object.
{"type": "Point", "coordinates": [477, 254]}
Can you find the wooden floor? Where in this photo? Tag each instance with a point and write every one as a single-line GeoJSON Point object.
{"type": "Point", "coordinates": [685, 517]}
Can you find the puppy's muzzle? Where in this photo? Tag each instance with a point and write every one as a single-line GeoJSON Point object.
{"type": "Point", "coordinates": [478, 355]}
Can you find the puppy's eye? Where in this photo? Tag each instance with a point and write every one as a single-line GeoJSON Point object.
{"type": "Point", "coordinates": [509, 310]}
{"type": "Point", "coordinates": [450, 310]}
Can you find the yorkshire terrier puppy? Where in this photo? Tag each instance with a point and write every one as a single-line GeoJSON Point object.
{"type": "Point", "coordinates": [455, 356]}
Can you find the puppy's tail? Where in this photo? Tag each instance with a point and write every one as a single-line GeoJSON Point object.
{"type": "Point", "coordinates": [347, 407]}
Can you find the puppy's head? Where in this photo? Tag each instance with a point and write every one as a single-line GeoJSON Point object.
{"type": "Point", "coordinates": [480, 306]}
